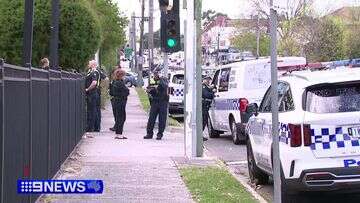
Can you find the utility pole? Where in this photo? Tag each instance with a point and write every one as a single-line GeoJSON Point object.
{"type": "Point", "coordinates": [54, 46]}
{"type": "Point", "coordinates": [133, 23]}
{"type": "Point", "coordinates": [151, 34]}
{"type": "Point", "coordinates": [218, 49]}
{"type": "Point", "coordinates": [28, 32]}
{"type": "Point", "coordinates": [258, 36]}
{"type": "Point", "coordinates": [140, 66]}
{"type": "Point", "coordinates": [198, 81]}
{"type": "Point", "coordinates": [274, 104]}
{"type": "Point", "coordinates": [193, 124]}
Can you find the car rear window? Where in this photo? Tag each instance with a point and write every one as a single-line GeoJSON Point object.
{"type": "Point", "coordinates": [178, 79]}
{"type": "Point", "coordinates": [333, 98]}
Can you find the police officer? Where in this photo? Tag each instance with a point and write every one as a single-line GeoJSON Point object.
{"type": "Point", "coordinates": [159, 100]}
{"type": "Point", "coordinates": [119, 93]}
{"type": "Point", "coordinates": [102, 76]}
{"type": "Point", "coordinates": [207, 97]}
{"type": "Point", "coordinates": [92, 95]}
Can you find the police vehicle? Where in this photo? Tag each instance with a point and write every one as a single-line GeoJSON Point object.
{"type": "Point", "coordinates": [237, 85]}
{"type": "Point", "coordinates": [176, 94]}
{"type": "Point", "coordinates": [319, 132]}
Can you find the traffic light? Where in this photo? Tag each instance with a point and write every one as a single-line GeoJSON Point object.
{"type": "Point", "coordinates": [170, 29]}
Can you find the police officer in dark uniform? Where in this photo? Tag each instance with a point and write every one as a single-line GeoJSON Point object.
{"type": "Point", "coordinates": [102, 76]}
{"type": "Point", "coordinates": [159, 100]}
{"type": "Point", "coordinates": [119, 93]}
{"type": "Point", "coordinates": [92, 95]}
{"type": "Point", "coordinates": [207, 97]}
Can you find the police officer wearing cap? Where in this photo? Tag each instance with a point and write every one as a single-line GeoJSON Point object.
{"type": "Point", "coordinates": [159, 100]}
{"type": "Point", "coordinates": [92, 95]}
{"type": "Point", "coordinates": [207, 98]}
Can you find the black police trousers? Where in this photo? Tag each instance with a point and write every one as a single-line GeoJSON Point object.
{"type": "Point", "coordinates": [98, 113]}
{"type": "Point", "coordinates": [205, 115]}
{"type": "Point", "coordinates": [91, 105]}
{"type": "Point", "coordinates": [119, 106]}
{"type": "Point", "coordinates": [157, 108]}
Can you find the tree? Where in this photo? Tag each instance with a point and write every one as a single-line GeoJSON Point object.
{"type": "Point", "coordinates": [113, 25]}
{"type": "Point", "coordinates": [247, 42]}
{"type": "Point", "coordinates": [290, 20]}
{"type": "Point", "coordinates": [209, 16]}
{"type": "Point", "coordinates": [353, 43]}
{"type": "Point", "coordinates": [85, 26]}
{"type": "Point", "coordinates": [327, 43]}
{"type": "Point", "coordinates": [79, 32]}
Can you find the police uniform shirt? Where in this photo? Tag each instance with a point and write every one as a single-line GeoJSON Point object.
{"type": "Point", "coordinates": [207, 92]}
{"type": "Point", "coordinates": [159, 90]}
{"type": "Point", "coordinates": [93, 75]}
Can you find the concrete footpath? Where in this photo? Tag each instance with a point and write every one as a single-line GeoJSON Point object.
{"type": "Point", "coordinates": [133, 170]}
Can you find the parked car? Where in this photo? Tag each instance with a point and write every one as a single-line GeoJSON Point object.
{"type": "Point", "coordinates": [319, 133]}
{"type": "Point", "coordinates": [176, 87]}
{"type": "Point", "coordinates": [237, 85]}
{"type": "Point", "coordinates": [131, 79]}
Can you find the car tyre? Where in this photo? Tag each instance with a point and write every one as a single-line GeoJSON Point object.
{"type": "Point", "coordinates": [128, 84]}
{"type": "Point", "coordinates": [256, 175]}
{"type": "Point", "coordinates": [286, 194]}
{"type": "Point", "coordinates": [212, 132]}
{"type": "Point", "coordinates": [234, 131]}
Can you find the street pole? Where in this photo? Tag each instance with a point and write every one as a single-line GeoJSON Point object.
{"type": "Point", "coordinates": [28, 32]}
{"type": "Point", "coordinates": [166, 64]}
{"type": "Point", "coordinates": [54, 46]}
{"type": "Point", "coordinates": [133, 19]}
{"type": "Point", "coordinates": [258, 36]}
{"type": "Point", "coordinates": [140, 65]}
{"type": "Point", "coordinates": [218, 49]}
{"type": "Point", "coordinates": [274, 104]}
{"type": "Point", "coordinates": [193, 120]}
{"type": "Point", "coordinates": [151, 34]}
{"type": "Point", "coordinates": [198, 81]}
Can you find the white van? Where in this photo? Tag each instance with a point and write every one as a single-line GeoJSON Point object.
{"type": "Point", "coordinates": [237, 85]}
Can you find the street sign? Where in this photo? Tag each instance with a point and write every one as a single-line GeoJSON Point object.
{"type": "Point", "coordinates": [128, 52]}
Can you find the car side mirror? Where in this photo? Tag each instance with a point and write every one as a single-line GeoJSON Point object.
{"type": "Point", "coordinates": [253, 109]}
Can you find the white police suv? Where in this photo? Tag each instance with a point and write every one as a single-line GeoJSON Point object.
{"type": "Point", "coordinates": [237, 85]}
{"type": "Point", "coordinates": [319, 132]}
{"type": "Point", "coordinates": [176, 88]}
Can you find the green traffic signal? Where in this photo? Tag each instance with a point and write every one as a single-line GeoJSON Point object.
{"type": "Point", "coordinates": [171, 42]}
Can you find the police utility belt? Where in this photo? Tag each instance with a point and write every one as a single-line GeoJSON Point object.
{"type": "Point", "coordinates": [116, 97]}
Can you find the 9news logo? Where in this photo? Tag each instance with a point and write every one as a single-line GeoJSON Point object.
{"type": "Point", "coordinates": [60, 186]}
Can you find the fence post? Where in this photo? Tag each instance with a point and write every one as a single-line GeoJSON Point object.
{"type": "Point", "coordinates": [49, 130]}
{"type": "Point", "coordinates": [2, 129]}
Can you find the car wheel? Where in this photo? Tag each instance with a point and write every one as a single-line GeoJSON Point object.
{"type": "Point", "coordinates": [128, 84]}
{"type": "Point", "coordinates": [212, 132]}
{"type": "Point", "coordinates": [257, 176]}
{"type": "Point", "coordinates": [234, 135]}
{"type": "Point", "coordinates": [286, 194]}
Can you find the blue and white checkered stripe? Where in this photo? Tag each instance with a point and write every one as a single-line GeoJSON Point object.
{"type": "Point", "coordinates": [178, 92]}
{"type": "Point", "coordinates": [332, 138]}
{"type": "Point", "coordinates": [227, 104]}
{"type": "Point", "coordinates": [284, 133]}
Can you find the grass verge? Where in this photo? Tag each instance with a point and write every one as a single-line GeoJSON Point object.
{"type": "Point", "coordinates": [144, 100]}
{"type": "Point", "coordinates": [214, 184]}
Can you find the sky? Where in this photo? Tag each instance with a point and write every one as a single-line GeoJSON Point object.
{"type": "Point", "coordinates": [234, 8]}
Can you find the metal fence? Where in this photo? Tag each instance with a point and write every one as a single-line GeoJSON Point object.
{"type": "Point", "coordinates": [42, 118]}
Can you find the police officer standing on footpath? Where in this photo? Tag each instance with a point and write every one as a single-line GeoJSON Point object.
{"type": "Point", "coordinates": [207, 97]}
{"type": "Point", "coordinates": [92, 95]}
{"type": "Point", "coordinates": [159, 100]}
{"type": "Point", "coordinates": [102, 76]}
